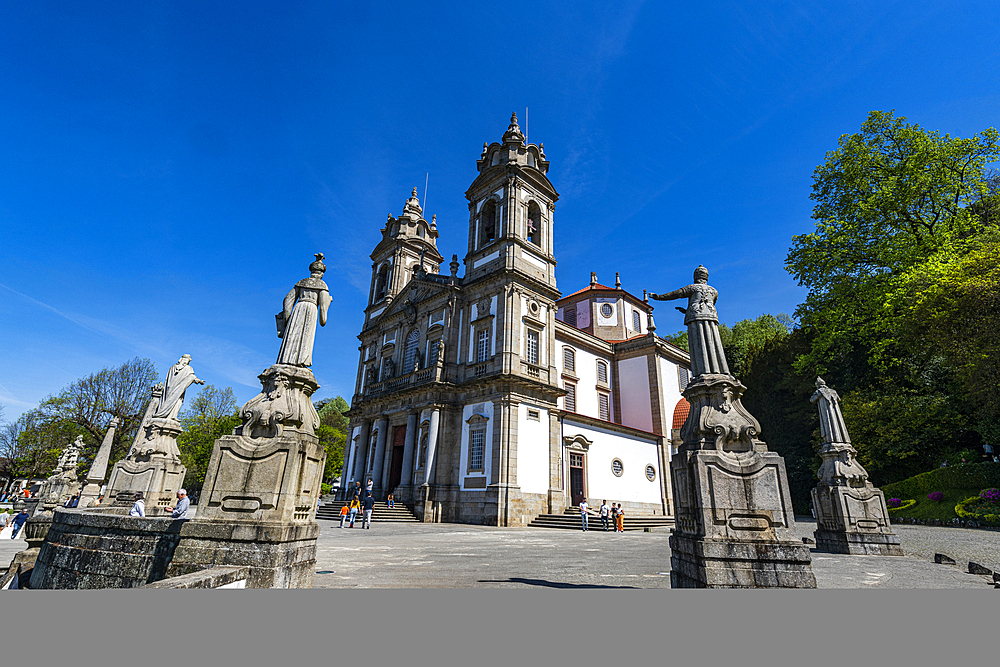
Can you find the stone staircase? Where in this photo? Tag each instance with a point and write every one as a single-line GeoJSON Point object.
{"type": "Point", "coordinates": [381, 512]}
{"type": "Point", "coordinates": [570, 520]}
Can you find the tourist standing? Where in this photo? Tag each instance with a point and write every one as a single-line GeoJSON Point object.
{"type": "Point", "coordinates": [343, 514]}
{"type": "Point", "coordinates": [181, 510]}
{"type": "Point", "coordinates": [370, 484]}
{"type": "Point", "coordinates": [621, 519]}
{"type": "Point", "coordinates": [369, 505]}
{"type": "Point", "coordinates": [604, 514]}
{"type": "Point", "coordinates": [355, 506]}
{"type": "Point", "coordinates": [583, 513]}
{"type": "Point", "coordinates": [139, 506]}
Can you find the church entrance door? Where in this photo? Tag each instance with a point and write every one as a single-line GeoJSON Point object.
{"type": "Point", "coordinates": [396, 462]}
{"type": "Point", "coordinates": [576, 478]}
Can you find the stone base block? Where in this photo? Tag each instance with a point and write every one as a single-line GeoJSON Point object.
{"type": "Point", "coordinates": [279, 555]}
{"type": "Point", "coordinates": [86, 550]}
{"type": "Point", "coordinates": [158, 479]}
{"type": "Point", "coordinates": [859, 544]}
{"type": "Point", "coordinates": [706, 563]}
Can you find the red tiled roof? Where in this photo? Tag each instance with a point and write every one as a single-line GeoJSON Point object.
{"type": "Point", "coordinates": [681, 411]}
{"type": "Point", "coordinates": [595, 286]}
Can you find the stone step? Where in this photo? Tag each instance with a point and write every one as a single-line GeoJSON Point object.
{"type": "Point", "coordinates": [571, 521]}
{"type": "Point", "coordinates": [380, 512]}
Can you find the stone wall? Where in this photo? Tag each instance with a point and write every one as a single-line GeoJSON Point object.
{"type": "Point", "coordinates": [93, 549]}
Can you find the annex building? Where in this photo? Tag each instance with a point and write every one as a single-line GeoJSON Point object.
{"type": "Point", "coordinates": [492, 398]}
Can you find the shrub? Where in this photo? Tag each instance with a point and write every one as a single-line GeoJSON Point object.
{"type": "Point", "coordinates": [893, 503]}
{"type": "Point", "coordinates": [983, 511]}
{"type": "Point", "coordinates": [936, 496]}
{"type": "Point", "coordinates": [905, 505]}
{"type": "Point", "coordinates": [970, 476]}
{"type": "Point", "coordinates": [325, 488]}
{"type": "Point", "coordinates": [992, 495]}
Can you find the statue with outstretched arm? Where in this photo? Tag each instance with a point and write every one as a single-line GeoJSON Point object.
{"type": "Point", "coordinates": [179, 378]}
{"type": "Point", "coordinates": [702, 320]}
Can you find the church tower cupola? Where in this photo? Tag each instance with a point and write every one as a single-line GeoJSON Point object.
{"type": "Point", "coordinates": [406, 241]}
{"type": "Point", "coordinates": [511, 205]}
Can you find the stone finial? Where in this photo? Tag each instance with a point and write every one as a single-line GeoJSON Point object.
{"type": "Point", "coordinates": [652, 325]}
{"type": "Point", "coordinates": [434, 222]}
{"type": "Point", "coordinates": [513, 133]}
{"type": "Point", "coordinates": [454, 266]}
{"type": "Point", "coordinates": [485, 146]}
{"type": "Point", "coordinates": [593, 278]}
{"type": "Point", "coordinates": [645, 296]}
{"type": "Point", "coordinates": [618, 280]}
{"type": "Point", "coordinates": [412, 206]}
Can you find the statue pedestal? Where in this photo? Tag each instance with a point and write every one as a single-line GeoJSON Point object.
{"type": "Point", "coordinates": [732, 506]}
{"type": "Point", "coordinates": [851, 514]}
{"type": "Point", "coordinates": [158, 478]}
{"type": "Point", "coordinates": [258, 503]}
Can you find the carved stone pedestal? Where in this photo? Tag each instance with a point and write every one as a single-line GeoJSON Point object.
{"type": "Point", "coordinates": [258, 503]}
{"type": "Point", "coordinates": [158, 478]}
{"type": "Point", "coordinates": [732, 505]}
{"type": "Point", "coordinates": [851, 514]}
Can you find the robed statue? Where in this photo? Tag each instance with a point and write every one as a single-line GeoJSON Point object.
{"type": "Point", "coordinates": [179, 378]}
{"type": "Point", "coordinates": [831, 419]}
{"type": "Point", "coordinates": [308, 302]}
{"type": "Point", "coordinates": [69, 456]}
{"type": "Point", "coordinates": [702, 320]}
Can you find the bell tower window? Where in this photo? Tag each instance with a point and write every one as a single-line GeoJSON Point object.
{"type": "Point", "coordinates": [381, 282]}
{"type": "Point", "coordinates": [533, 231]}
{"type": "Point", "coordinates": [488, 222]}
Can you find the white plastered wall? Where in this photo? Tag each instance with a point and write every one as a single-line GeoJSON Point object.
{"type": "Point", "coordinates": [635, 454]}
{"type": "Point", "coordinates": [586, 385]}
{"type": "Point", "coordinates": [485, 409]}
{"type": "Point", "coordinates": [532, 450]}
{"type": "Point", "coordinates": [670, 388]}
{"type": "Point", "coordinates": [633, 391]}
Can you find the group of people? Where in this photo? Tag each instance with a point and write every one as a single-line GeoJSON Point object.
{"type": "Point", "coordinates": [179, 511]}
{"type": "Point", "coordinates": [359, 504]}
{"type": "Point", "coordinates": [610, 514]}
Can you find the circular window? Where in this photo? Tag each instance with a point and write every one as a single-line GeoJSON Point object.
{"type": "Point", "coordinates": [607, 310]}
{"type": "Point", "coordinates": [650, 472]}
{"type": "Point", "coordinates": [617, 468]}
{"type": "Point", "coordinates": [533, 307]}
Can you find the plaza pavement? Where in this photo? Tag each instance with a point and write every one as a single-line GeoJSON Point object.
{"type": "Point", "coordinates": [459, 556]}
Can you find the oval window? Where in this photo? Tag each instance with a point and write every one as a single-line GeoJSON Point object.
{"type": "Point", "coordinates": [607, 310]}
{"type": "Point", "coordinates": [650, 473]}
{"type": "Point", "coordinates": [617, 467]}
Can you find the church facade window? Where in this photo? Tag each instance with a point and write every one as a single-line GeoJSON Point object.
{"type": "Point", "coordinates": [488, 223]}
{"type": "Point", "coordinates": [381, 282]}
{"type": "Point", "coordinates": [569, 360]}
{"type": "Point", "coordinates": [410, 351]}
{"type": "Point", "coordinates": [604, 406]}
{"type": "Point", "coordinates": [602, 372]}
{"type": "Point", "coordinates": [636, 321]}
{"type": "Point", "coordinates": [531, 347]}
{"type": "Point", "coordinates": [570, 316]}
{"type": "Point", "coordinates": [533, 227]}
{"type": "Point", "coordinates": [683, 377]}
{"type": "Point", "coordinates": [477, 446]}
{"type": "Point", "coordinates": [482, 345]}
{"type": "Point", "coordinates": [569, 402]}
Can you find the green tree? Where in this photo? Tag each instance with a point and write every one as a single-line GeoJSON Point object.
{"type": "Point", "coordinates": [209, 416]}
{"type": "Point", "coordinates": [748, 337]}
{"type": "Point", "coordinates": [332, 434]}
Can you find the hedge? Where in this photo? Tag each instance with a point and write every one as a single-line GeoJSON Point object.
{"type": "Point", "coordinates": [962, 510]}
{"type": "Point", "coordinates": [906, 504]}
{"type": "Point", "coordinates": [967, 476]}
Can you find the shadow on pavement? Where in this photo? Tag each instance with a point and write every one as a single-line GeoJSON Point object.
{"type": "Point", "coordinates": [545, 583]}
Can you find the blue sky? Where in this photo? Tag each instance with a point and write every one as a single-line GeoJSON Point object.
{"type": "Point", "coordinates": [170, 168]}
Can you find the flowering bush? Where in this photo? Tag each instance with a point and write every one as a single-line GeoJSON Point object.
{"type": "Point", "coordinates": [979, 509]}
{"type": "Point", "coordinates": [894, 502]}
{"type": "Point", "coordinates": [991, 495]}
{"type": "Point", "coordinates": [903, 504]}
{"type": "Point", "coordinates": [936, 496]}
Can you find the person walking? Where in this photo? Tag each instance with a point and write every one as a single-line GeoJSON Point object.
{"type": "Point", "coordinates": [583, 513]}
{"type": "Point", "coordinates": [343, 514]}
{"type": "Point", "coordinates": [621, 519]}
{"type": "Point", "coordinates": [368, 504]}
{"type": "Point", "coordinates": [355, 506]}
{"type": "Point", "coordinates": [604, 514]}
{"type": "Point", "coordinates": [139, 506]}
{"type": "Point", "coordinates": [18, 522]}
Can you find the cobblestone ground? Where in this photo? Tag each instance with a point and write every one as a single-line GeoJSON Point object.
{"type": "Point", "coordinates": [458, 556]}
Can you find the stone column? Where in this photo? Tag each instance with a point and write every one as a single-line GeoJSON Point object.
{"type": "Point", "coordinates": [411, 436]}
{"type": "Point", "coordinates": [432, 436]}
{"type": "Point", "coordinates": [376, 471]}
{"type": "Point", "coordinates": [99, 469]}
{"type": "Point", "coordinates": [361, 454]}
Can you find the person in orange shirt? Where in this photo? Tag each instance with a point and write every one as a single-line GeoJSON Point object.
{"type": "Point", "coordinates": [343, 514]}
{"type": "Point", "coordinates": [621, 519]}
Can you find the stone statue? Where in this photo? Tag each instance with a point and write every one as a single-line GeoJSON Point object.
{"type": "Point", "coordinates": [308, 301]}
{"type": "Point", "coordinates": [439, 353]}
{"type": "Point", "coordinates": [179, 378]}
{"type": "Point", "coordinates": [702, 322]}
{"type": "Point", "coordinates": [831, 421]}
{"type": "Point", "coordinates": [389, 369]}
{"type": "Point", "coordinates": [851, 515]}
{"type": "Point", "coordinates": [69, 457]}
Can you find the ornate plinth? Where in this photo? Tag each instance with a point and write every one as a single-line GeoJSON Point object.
{"type": "Point", "coordinates": [258, 503]}
{"type": "Point", "coordinates": [851, 514]}
{"type": "Point", "coordinates": [732, 505]}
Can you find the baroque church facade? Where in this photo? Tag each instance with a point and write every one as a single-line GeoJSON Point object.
{"type": "Point", "coordinates": [491, 398]}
